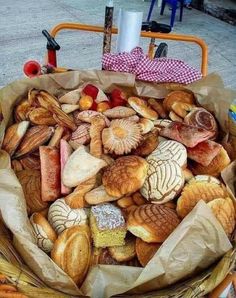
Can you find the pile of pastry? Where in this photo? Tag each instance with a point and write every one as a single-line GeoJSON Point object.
{"type": "Point", "coordinates": [108, 177]}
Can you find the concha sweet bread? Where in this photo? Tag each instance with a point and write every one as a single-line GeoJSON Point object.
{"type": "Point", "coordinates": [61, 216]}
{"type": "Point", "coordinates": [31, 183]}
{"type": "Point", "coordinates": [193, 192]}
{"type": "Point", "coordinates": [121, 137]}
{"type": "Point", "coordinates": [125, 176]}
{"type": "Point", "coordinates": [44, 233]}
{"type": "Point", "coordinates": [171, 150]}
{"type": "Point", "coordinates": [81, 135]}
{"type": "Point", "coordinates": [224, 211]}
{"type": "Point", "coordinates": [72, 252]}
{"type": "Point", "coordinates": [164, 180]}
{"type": "Point", "coordinates": [217, 165]}
{"type": "Point", "coordinates": [152, 223]}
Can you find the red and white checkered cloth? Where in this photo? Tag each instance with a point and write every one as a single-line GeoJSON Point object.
{"type": "Point", "coordinates": [160, 70]}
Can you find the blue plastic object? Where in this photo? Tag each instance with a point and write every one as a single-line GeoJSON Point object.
{"type": "Point", "coordinates": [173, 4]}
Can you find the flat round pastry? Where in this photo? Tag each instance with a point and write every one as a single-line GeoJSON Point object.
{"type": "Point", "coordinates": [201, 118]}
{"type": "Point", "coordinates": [119, 112]}
{"type": "Point", "coordinates": [125, 176]}
{"type": "Point", "coordinates": [44, 233]}
{"type": "Point", "coordinates": [145, 251]}
{"type": "Point", "coordinates": [217, 165]}
{"type": "Point", "coordinates": [121, 137]}
{"type": "Point", "coordinates": [171, 150]}
{"type": "Point", "coordinates": [193, 192]}
{"type": "Point", "coordinates": [164, 180]}
{"type": "Point", "coordinates": [176, 96]}
{"type": "Point", "coordinates": [31, 183]}
{"type": "Point", "coordinates": [152, 223]}
{"type": "Point", "coordinates": [125, 252]}
{"type": "Point", "coordinates": [72, 252]}
{"type": "Point", "coordinates": [142, 109]}
{"type": "Point", "coordinates": [61, 216]}
{"type": "Point", "coordinates": [224, 211]}
{"type": "Point", "coordinates": [147, 145]}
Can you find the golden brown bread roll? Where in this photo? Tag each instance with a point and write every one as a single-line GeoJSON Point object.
{"type": "Point", "coordinates": [102, 256]}
{"type": "Point", "coordinates": [195, 191]}
{"type": "Point", "coordinates": [174, 117]}
{"type": "Point", "coordinates": [224, 211]}
{"type": "Point", "coordinates": [217, 165]}
{"type": "Point", "coordinates": [142, 109]}
{"type": "Point", "coordinates": [145, 251]}
{"type": "Point", "coordinates": [13, 136]}
{"type": "Point", "coordinates": [125, 252]}
{"type": "Point", "coordinates": [31, 183]}
{"type": "Point", "coordinates": [152, 223]}
{"type": "Point", "coordinates": [157, 105]}
{"type": "Point", "coordinates": [44, 233]}
{"type": "Point", "coordinates": [182, 108]}
{"type": "Point", "coordinates": [72, 252]}
{"type": "Point", "coordinates": [98, 195]}
{"type": "Point", "coordinates": [177, 96]}
{"type": "Point", "coordinates": [125, 202]}
{"type": "Point", "coordinates": [125, 176]}
{"type": "Point", "coordinates": [148, 144]}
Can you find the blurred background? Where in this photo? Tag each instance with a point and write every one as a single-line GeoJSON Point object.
{"type": "Point", "coordinates": [21, 39]}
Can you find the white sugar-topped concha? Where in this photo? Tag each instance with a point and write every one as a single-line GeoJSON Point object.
{"type": "Point", "coordinates": [164, 180]}
{"type": "Point", "coordinates": [43, 241]}
{"type": "Point", "coordinates": [171, 150]}
{"type": "Point", "coordinates": [61, 216]}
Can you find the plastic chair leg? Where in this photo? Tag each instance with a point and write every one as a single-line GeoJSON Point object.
{"type": "Point", "coordinates": [181, 10]}
{"type": "Point", "coordinates": [150, 10]}
{"type": "Point", "coordinates": [163, 4]}
{"type": "Point", "coordinates": [172, 20]}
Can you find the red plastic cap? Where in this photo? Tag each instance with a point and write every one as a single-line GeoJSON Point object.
{"type": "Point", "coordinates": [32, 68]}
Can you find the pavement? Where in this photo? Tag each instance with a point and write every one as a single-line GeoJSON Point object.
{"type": "Point", "coordinates": [21, 24]}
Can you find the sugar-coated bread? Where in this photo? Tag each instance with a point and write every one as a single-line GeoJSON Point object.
{"type": "Point", "coordinates": [44, 233]}
{"type": "Point", "coordinates": [125, 176]}
{"type": "Point", "coordinates": [152, 223]}
{"type": "Point", "coordinates": [31, 183]}
{"type": "Point", "coordinates": [164, 180]}
{"type": "Point", "coordinates": [72, 252]}
{"type": "Point", "coordinates": [145, 251]}
{"type": "Point", "coordinates": [196, 190]}
{"type": "Point", "coordinates": [61, 216]}
{"type": "Point", "coordinates": [171, 150]}
{"type": "Point", "coordinates": [121, 136]}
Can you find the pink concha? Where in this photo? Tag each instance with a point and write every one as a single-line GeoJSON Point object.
{"type": "Point", "coordinates": [81, 134]}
